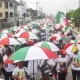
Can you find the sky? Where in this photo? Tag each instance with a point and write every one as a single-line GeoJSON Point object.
{"type": "Point", "coordinates": [53, 6]}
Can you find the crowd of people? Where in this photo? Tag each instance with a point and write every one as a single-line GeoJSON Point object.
{"type": "Point", "coordinates": [58, 68]}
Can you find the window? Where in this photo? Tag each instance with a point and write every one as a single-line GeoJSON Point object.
{"type": "Point", "coordinates": [6, 4]}
{"type": "Point", "coordinates": [11, 14]}
{"type": "Point", "coordinates": [0, 4]}
{"type": "Point", "coordinates": [6, 14]}
{"type": "Point", "coordinates": [0, 14]}
{"type": "Point", "coordinates": [11, 5]}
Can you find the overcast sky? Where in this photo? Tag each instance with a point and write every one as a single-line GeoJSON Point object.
{"type": "Point", "coordinates": [52, 6]}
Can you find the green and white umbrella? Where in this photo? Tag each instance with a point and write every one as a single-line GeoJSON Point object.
{"type": "Point", "coordinates": [33, 53]}
{"type": "Point", "coordinates": [48, 45]}
{"type": "Point", "coordinates": [75, 41]}
{"type": "Point", "coordinates": [13, 29]}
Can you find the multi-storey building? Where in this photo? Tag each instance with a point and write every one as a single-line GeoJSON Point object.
{"type": "Point", "coordinates": [8, 10]}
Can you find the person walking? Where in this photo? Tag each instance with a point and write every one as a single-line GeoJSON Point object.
{"type": "Point", "coordinates": [20, 72]}
{"type": "Point", "coordinates": [62, 63]}
{"type": "Point", "coordinates": [74, 58]}
{"type": "Point", "coordinates": [8, 68]}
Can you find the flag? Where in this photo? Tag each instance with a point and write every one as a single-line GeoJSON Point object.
{"type": "Point", "coordinates": [58, 17]}
{"type": "Point", "coordinates": [61, 19]}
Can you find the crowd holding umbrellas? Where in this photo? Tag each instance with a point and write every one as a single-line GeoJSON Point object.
{"type": "Point", "coordinates": [39, 40]}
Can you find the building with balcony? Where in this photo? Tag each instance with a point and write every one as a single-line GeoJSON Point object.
{"type": "Point", "coordinates": [8, 10]}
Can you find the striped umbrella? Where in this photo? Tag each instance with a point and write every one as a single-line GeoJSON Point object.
{"type": "Point", "coordinates": [73, 44]}
{"type": "Point", "coordinates": [5, 35]}
{"type": "Point", "coordinates": [55, 37]}
{"type": "Point", "coordinates": [24, 34]}
{"type": "Point", "coordinates": [75, 41]}
{"type": "Point", "coordinates": [48, 45]}
{"type": "Point", "coordinates": [33, 53]}
{"type": "Point", "coordinates": [12, 41]}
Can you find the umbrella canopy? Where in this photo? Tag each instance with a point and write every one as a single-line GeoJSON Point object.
{"type": "Point", "coordinates": [75, 41]}
{"type": "Point", "coordinates": [24, 34]}
{"type": "Point", "coordinates": [33, 53]}
{"type": "Point", "coordinates": [30, 42]}
{"type": "Point", "coordinates": [35, 31]}
{"type": "Point", "coordinates": [69, 47]}
{"type": "Point", "coordinates": [63, 37]}
{"type": "Point", "coordinates": [13, 29]}
{"type": "Point", "coordinates": [12, 41]}
{"type": "Point", "coordinates": [5, 31]}
{"type": "Point", "coordinates": [55, 37]}
{"type": "Point", "coordinates": [7, 61]}
{"type": "Point", "coordinates": [48, 45]}
{"type": "Point", "coordinates": [5, 35]}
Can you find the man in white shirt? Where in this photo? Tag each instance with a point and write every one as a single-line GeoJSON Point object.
{"type": "Point", "coordinates": [75, 63]}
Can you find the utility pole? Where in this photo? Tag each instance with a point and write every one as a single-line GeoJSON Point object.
{"type": "Point", "coordinates": [37, 5]}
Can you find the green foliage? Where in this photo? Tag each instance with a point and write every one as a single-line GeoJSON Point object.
{"type": "Point", "coordinates": [74, 16]}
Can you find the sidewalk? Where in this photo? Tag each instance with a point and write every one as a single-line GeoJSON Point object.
{"type": "Point", "coordinates": [75, 30]}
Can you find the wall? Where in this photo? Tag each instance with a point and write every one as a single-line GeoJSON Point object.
{"type": "Point", "coordinates": [3, 10]}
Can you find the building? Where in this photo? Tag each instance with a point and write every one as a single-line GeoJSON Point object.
{"type": "Point", "coordinates": [22, 13]}
{"type": "Point", "coordinates": [21, 8]}
{"type": "Point", "coordinates": [8, 10]}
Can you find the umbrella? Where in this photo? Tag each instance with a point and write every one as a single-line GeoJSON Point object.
{"type": "Point", "coordinates": [22, 29]}
{"type": "Point", "coordinates": [48, 45]}
{"type": "Point", "coordinates": [75, 41]}
{"type": "Point", "coordinates": [13, 29]}
{"type": "Point", "coordinates": [12, 41]}
{"type": "Point", "coordinates": [66, 30]}
{"type": "Point", "coordinates": [33, 53]}
{"type": "Point", "coordinates": [35, 31]}
{"type": "Point", "coordinates": [63, 37]}
{"type": "Point", "coordinates": [8, 61]}
{"type": "Point", "coordinates": [5, 31]}
{"type": "Point", "coordinates": [69, 47]}
{"type": "Point", "coordinates": [30, 42]}
{"type": "Point", "coordinates": [24, 34]}
{"type": "Point", "coordinates": [55, 37]}
{"type": "Point", "coordinates": [5, 35]}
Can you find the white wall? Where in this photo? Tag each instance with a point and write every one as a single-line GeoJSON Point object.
{"type": "Point", "coordinates": [21, 9]}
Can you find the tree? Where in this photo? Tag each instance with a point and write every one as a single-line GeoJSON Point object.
{"type": "Point", "coordinates": [75, 15]}
{"type": "Point", "coordinates": [70, 14]}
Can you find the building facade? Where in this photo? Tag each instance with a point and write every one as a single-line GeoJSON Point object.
{"type": "Point", "coordinates": [8, 10]}
{"type": "Point", "coordinates": [3, 10]}
{"type": "Point", "coordinates": [22, 13]}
